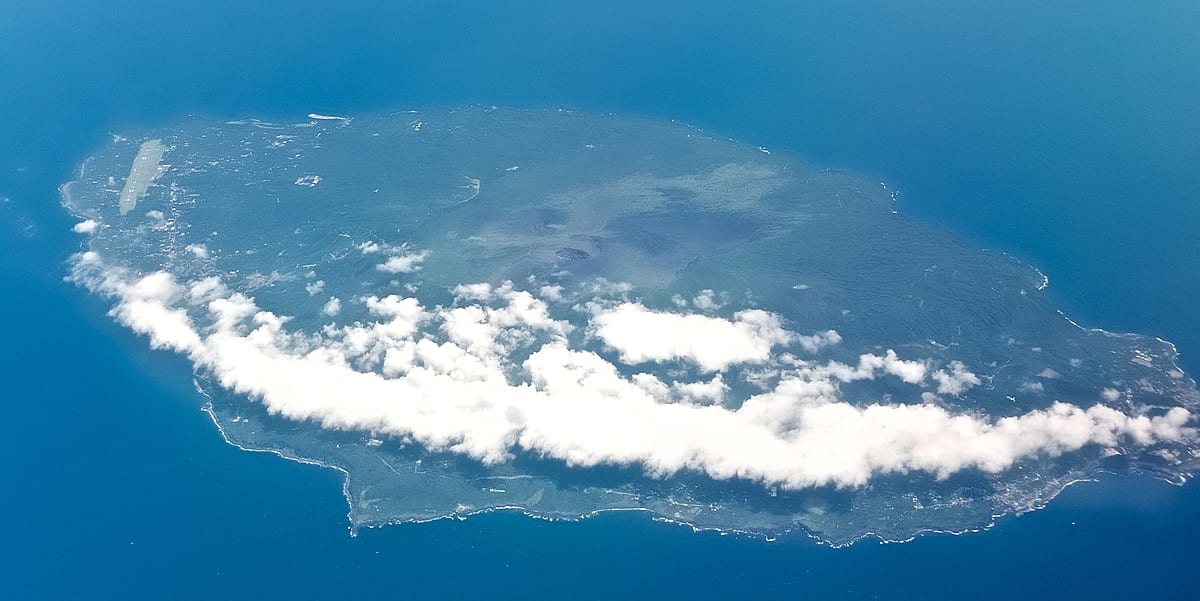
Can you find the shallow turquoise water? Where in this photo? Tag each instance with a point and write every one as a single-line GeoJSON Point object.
{"type": "Point", "coordinates": [1061, 135]}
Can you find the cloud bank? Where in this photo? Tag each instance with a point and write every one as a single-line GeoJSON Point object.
{"type": "Point", "coordinates": [495, 374]}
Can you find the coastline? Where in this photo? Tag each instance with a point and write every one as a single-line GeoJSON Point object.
{"type": "Point", "coordinates": [66, 202]}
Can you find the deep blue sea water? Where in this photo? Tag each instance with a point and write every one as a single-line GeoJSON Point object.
{"type": "Point", "coordinates": [1065, 133]}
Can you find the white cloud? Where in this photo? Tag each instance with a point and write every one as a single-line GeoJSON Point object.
{"type": "Point", "coordinates": [955, 380]}
{"type": "Point", "coordinates": [86, 226]}
{"type": "Point", "coordinates": [1030, 386]}
{"type": "Point", "coordinates": [712, 343]}
{"type": "Point", "coordinates": [206, 289]}
{"type": "Point", "coordinates": [707, 301]}
{"type": "Point", "coordinates": [551, 293]}
{"type": "Point", "coordinates": [403, 262]}
{"type": "Point", "coordinates": [200, 251]}
{"type": "Point", "coordinates": [710, 392]}
{"type": "Point", "coordinates": [477, 292]}
{"type": "Point", "coordinates": [147, 306]}
{"type": "Point", "coordinates": [314, 288]}
{"type": "Point", "coordinates": [815, 342]}
{"type": "Point", "coordinates": [332, 307]}
{"type": "Point", "coordinates": [912, 372]}
{"type": "Point", "coordinates": [400, 258]}
{"type": "Point", "coordinates": [442, 377]}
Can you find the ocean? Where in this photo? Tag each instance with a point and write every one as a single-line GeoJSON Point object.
{"type": "Point", "coordinates": [1063, 134]}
